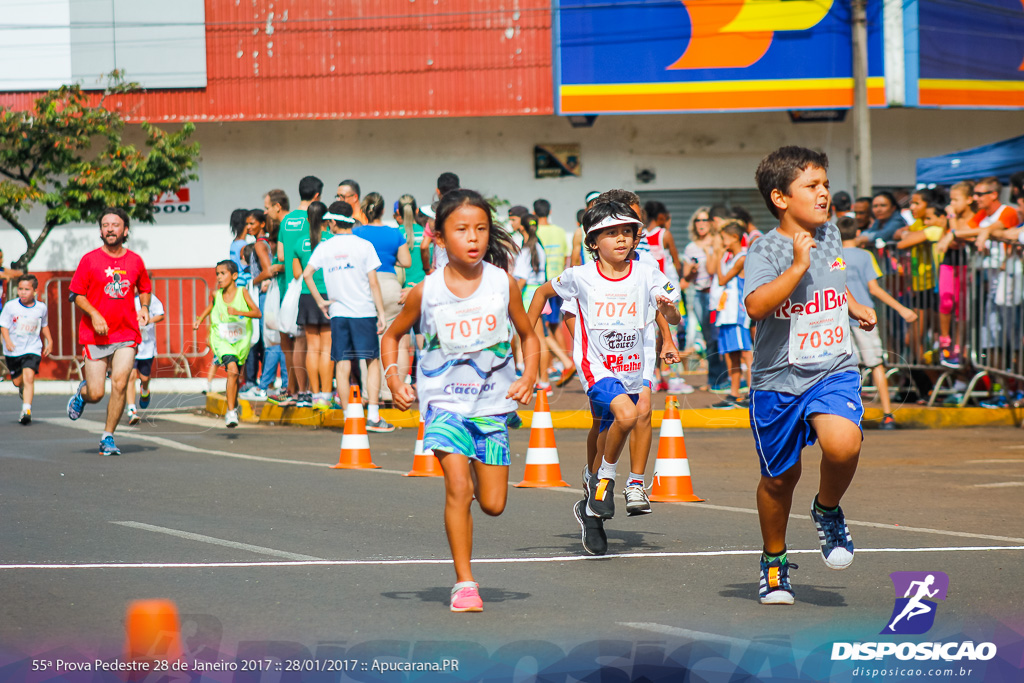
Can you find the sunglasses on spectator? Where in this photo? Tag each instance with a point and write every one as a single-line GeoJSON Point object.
{"type": "Point", "coordinates": [702, 220]}
{"type": "Point", "coordinates": [979, 193]}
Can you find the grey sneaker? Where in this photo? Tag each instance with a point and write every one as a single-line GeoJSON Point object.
{"type": "Point", "coordinates": [379, 426]}
{"type": "Point", "coordinates": [637, 502]}
{"type": "Point", "coordinates": [601, 497]}
{"type": "Point", "coordinates": [231, 419]}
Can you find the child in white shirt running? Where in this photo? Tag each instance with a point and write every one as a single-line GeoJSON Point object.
{"type": "Point", "coordinates": [26, 340]}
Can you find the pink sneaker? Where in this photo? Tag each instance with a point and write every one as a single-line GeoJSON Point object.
{"type": "Point", "coordinates": [466, 597]}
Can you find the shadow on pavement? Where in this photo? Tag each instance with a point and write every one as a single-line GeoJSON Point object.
{"type": "Point", "coordinates": [443, 595]}
{"type": "Point", "coordinates": [811, 595]}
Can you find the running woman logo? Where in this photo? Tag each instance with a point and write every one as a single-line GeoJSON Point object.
{"type": "Point", "coordinates": [914, 612]}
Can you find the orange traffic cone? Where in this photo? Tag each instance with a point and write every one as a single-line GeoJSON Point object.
{"type": "Point", "coordinates": [424, 464]}
{"type": "Point", "coordinates": [153, 631]}
{"type": "Point", "coordinates": [672, 470]}
{"type": "Point", "coordinates": [542, 469]}
{"type": "Point", "coordinates": [355, 444]}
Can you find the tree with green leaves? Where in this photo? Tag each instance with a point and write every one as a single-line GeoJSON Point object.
{"type": "Point", "coordinates": [67, 155]}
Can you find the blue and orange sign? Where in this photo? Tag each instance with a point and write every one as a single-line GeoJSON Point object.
{"type": "Point", "coordinates": [972, 54]}
{"type": "Point", "coordinates": [625, 56]}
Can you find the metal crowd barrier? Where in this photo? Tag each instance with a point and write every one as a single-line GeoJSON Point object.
{"type": "Point", "coordinates": [987, 323]}
{"type": "Point", "coordinates": [183, 298]}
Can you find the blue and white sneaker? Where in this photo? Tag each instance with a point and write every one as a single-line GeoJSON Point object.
{"type": "Point", "coordinates": [775, 588]}
{"type": "Point", "coordinates": [76, 404]}
{"type": "Point", "coordinates": [144, 400]}
{"type": "Point", "coordinates": [108, 447]}
{"type": "Point", "coordinates": [834, 536]}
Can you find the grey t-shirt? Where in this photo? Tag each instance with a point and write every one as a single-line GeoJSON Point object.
{"type": "Point", "coordinates": [861, 269]}
{"type": "Point", "coordinates": [823, 286]}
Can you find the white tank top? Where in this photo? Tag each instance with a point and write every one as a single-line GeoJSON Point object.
{"type": "Point", "coordinates": [467, 364]}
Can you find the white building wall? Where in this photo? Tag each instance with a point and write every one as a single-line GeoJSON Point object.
{"type": "Point", "coordinates": [241, 161]}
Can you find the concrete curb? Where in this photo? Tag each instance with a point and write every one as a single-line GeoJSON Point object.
{"type": "Point", "coordinates": [915, 417]}
{"type": "Point", "coordinates": [159, 385]}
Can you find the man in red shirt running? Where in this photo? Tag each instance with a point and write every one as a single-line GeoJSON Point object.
{"type": "Point", "coordinates": [104, 288]}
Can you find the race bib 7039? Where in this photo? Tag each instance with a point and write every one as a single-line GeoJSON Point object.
{"type": "Point", "coordinates": [818, 337]}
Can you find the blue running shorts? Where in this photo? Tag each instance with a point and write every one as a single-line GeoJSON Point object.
{"type": "Point", "coordinates": [484, 439]}
{"type": "Point", "coordinates": [781, 422]}
{"type": "Point", "coordinates": [601, 396]}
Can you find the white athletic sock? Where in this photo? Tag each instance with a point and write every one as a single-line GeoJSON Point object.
{"type": "Point", "coordinates": [131, 407]}
{"type": "Point", "coordinates": [26, 406]}
{"type": "Point", "coordinates": [606, 470]}
{"type": "Point", "coordinates": [106, 434]}
{"type": "Point", "coordinates": [373, 412]}
{"type": "Point", "coordinates": [635, 479]}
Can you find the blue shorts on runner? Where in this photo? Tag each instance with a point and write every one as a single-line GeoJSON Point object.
{"type": "Point", "coordinates": [601, 396]}
{"type": "Point", "coordinates": [484, 439]}
{"type": "Point", "coordinates": [781, 422]}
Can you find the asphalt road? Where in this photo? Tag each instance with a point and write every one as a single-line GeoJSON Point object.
{"type": "Point", "coordinates": [267, 551]}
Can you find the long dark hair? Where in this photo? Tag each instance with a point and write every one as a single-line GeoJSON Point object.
{"type": "Point", "coordinates": [237, 223]}
{"type": "Point", "coordinates": [500, 247]}
{"type": "Point", "coordinates": [529, 223]}
{"type": "Point", "coordinates": [315, 211]}
{"type": "Point", "coordinates": [373, 206]}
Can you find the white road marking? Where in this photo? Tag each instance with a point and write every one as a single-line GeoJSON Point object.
{"type": "Point", "coordinates": [1000, 485]}
{"type": "Point", "coordinates": [993, 461]}
{"type": "Point", "coordinates": [218, 541]}
{"type": "Point", "coordinates": [96, 427]}
{"type": "Point", "coordinates": [703, 636]}
{"type": "Point", "coordinates": [478, 560]}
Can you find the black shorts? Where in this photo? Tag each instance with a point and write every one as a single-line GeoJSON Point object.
{"type": "Point", "coordinates": [227, 360]}
{"type": "Point", "coordinates": [310, 313]}
{"type": "Point", "coordinates": [18, 363]}
{"type": "Point", "coordinates": [354, 339]}
{"type": "Point", "coordinates": [144, 366]}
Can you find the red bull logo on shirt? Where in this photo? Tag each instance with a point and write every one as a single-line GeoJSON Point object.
{"type": "Point", "coordinates": [824, 300]}
{"type": "Point", "coordinates": [838, 264]}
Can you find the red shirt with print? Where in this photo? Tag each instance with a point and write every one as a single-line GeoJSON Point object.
{"type": "Point", "coordinates": [110, 285]}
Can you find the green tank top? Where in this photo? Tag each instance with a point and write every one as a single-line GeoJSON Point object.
{"type": "Point", "coordinates": [303, 252]}
{"type": "Point", "coordinates": [230, 335]}
{"type": "Point", "coordinates": [414, 274]}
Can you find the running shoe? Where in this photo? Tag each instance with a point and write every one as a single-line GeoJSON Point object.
{"type": "Point", "coordinates": [595, 541]}
{"type": "Point", "coordinates": [380, 426]}
{"type": "Point", "coordinates": [727, 403]}
{"type": "Point", "coordinates": [546, 388]}
{"type": "Point", "coordinates": [888, 422]}
{"type": "Point", "coordinates": [661, 386]}
{"type": "Point", "coordinates": [76, 404]}
{"type": "Point", "coordinates": [144, 400]}
{"type": "Point", "coordinates": [554, 376]}
{"type": "Point", "coordinates": [601, 498]}
{"type": "Point", "coordinates": [304, 401]}
{"type": "Point", "coordinates": [231, 419]}
{"type": "Point", "coordinates": [466, 597]}
{"type": "Point", "coordinates": [723, 388]}
{"type": "Point", "coordinates": [637, 502]}
{"type": "Point", "coordinates": [108, 447]}
{"type": "Point", "coordinates": [834, 536]}
{"type": "Point", "coordinates": [133, 416]}
{"type": "Point", "coordinates": [321, 404]}
{"type": "Point", "coordinates": [337, 404]}
{"type": "Point", "coordinates": [677, 385]}
{"type": "Point", "coordinates": [775, 588]}
{"type": "Point", "coordinates": [743, 402]}
{"type": "Point", "coordinates": [950, 357]}
{"type": "Point", "coordinates": [567, 375]}
{"type": "Point", "coordinates": [26, 416]}
{"type": "Point", "coordinates": [283, 399]}
{"type": "Point", "coordinates": [994, 403]}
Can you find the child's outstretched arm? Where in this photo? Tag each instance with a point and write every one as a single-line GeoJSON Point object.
{"type": "Point", "coordinates": [865, 315]}
{"type": "Point", "coordinates": [889, 300]}
{"type": "Point", "coordinates": [202, 316]}
{"type": "Point", "coordinates": [253, 310]}
{"type": "Point", "coordinates": [47, 342]}
{"type": "Point", "coordinates": [669, 350]}
{"type": "Point", "coordinates": [540, 297]}
{"type": "Point", "coordinates": [403, 394]}
{"type": "Point", "coordinates": [735, 270]}
{"type": "Point", "coordinates": [522, 389]}
{"type": "Point", "coordinates": [8, 342]}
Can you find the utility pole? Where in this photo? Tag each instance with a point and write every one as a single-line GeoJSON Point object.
{"type": "Point", "coordinates": [861, 115]}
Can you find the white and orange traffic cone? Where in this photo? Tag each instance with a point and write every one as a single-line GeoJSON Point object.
{"type": "Point", "coordinates": [355, 444]}
{"type": "Point", "coordinates": [424, 463]}
{"type": "Point", "coordinates": [542, 469]}
{"type": "Point", "coordinates": [672, 482]}
{"type": "Point", "coordinates": [153, 631]}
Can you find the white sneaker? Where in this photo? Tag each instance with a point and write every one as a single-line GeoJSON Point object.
{"type": "Point", "coordinates": [231, 418]}
{"type": "Point", "coordinates": [133, 416]}
{"type": "Point", "coordinates": [677, 385]}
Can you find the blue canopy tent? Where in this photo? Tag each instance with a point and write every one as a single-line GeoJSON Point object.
{"type": "Point", "coordinates": [1001, 159]}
